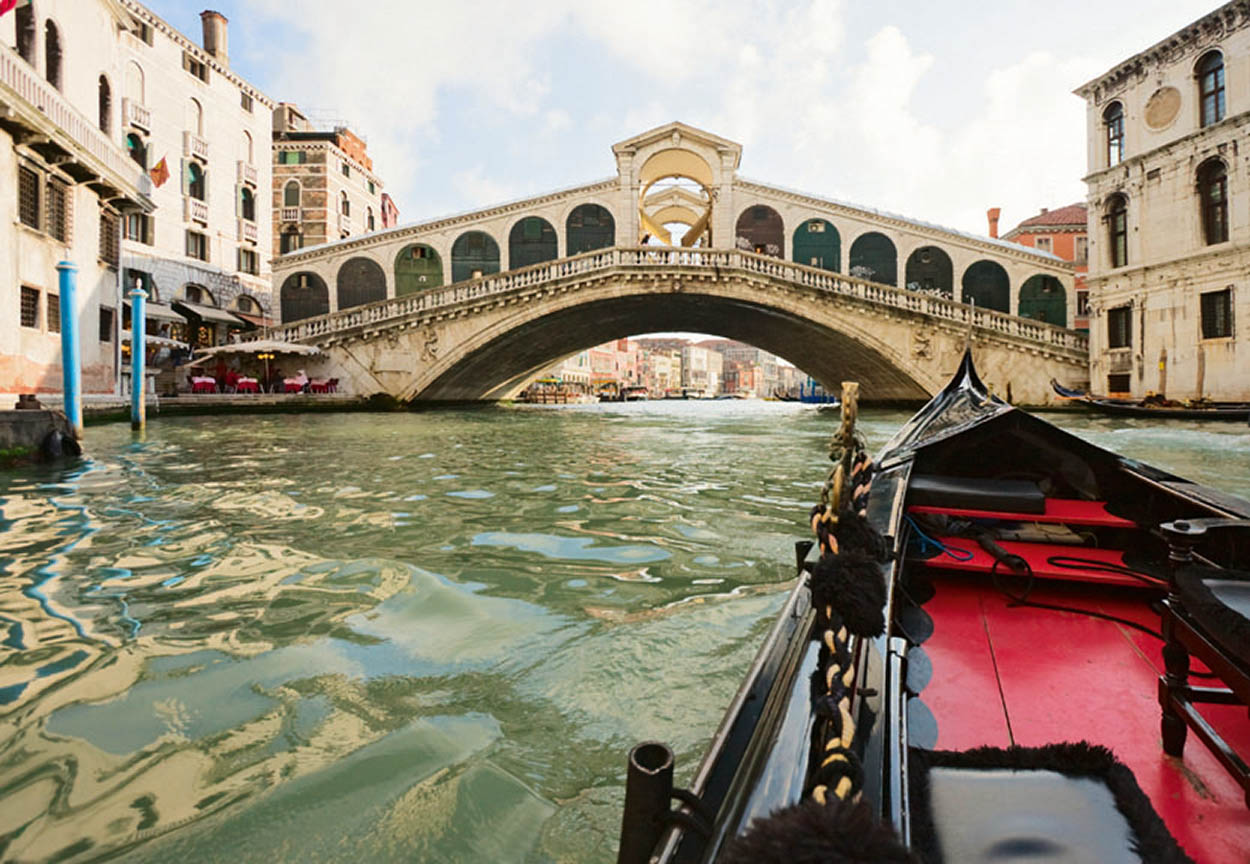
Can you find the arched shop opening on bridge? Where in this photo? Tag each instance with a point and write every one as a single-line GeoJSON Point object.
{"type": "Point", "coordinates": [474, 254]}
{"type": "Point", "coordinates": [1042, 298]}
{"type": "Point", "coordinates": [303, 295]}
{"type": "Point", "coordinates": [675, 190]}
{"type": "Point", "coordinates": [761, 230]}
{"type": "Point", "coordinates": [361, 281]}
{"type": "Point", "coordinates": [873, 257]}
{"type": "Point", "coordinates": [818, 244]}
{"type": "Point", "coordinates": [986, 285]}
{"type": "Point", "coordinates": [532, 240]}
{"type": "Point", "coordinates": [589, 227]}
{"type": "Point", "coordinates": [418, 267]}
{"type": "Point", "coordinates": [929, 269]}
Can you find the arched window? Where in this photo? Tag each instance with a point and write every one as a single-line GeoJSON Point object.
{"type": "Point", "coordinates": [417, 268]}
{"type": "Point", "coordinates": [1211, 87]}
{"type": "Point", "coordinates": [137, 149]}
{"type": "Point", "coordinates": [134, 83]}
{"type": "Point", "coordinates": [52, 54]}
{"type": "Point", "coordinates": [25, 25]}
{"type": "Point", "coordinates": [1042, 298]}
{"type": "Point", "coordinates": [195, 117]}
{"type": "Point", "coordinates": [1113, 121]}
{"type": "Point", "coordinates": [874, 257]}
{"type": "Point", "coordinates": [303, 295]}
{"type": "Point", "coordinates": [345, 206]}
{"type": "Point", "coordinates": [247, 147]}
{"type": "Point", "coordinates": [532, 240]}
{"type": "Point", "coordinates": [589, 227]}
{"type": "Point", "coordinates": [106, 105]}
{"type": "Point", "coordinates": [247, 305]}
{"type": "Point", "coordinates": [361, 281]}
{"type": "Point", "coordinates": [291, 240]}
{"type": "Point", "coordinates": [1213, 195]}
{"type": "Point", "coordinates": [761, 230]}
{"type": "Point", "coordinates": [1117, 230]}
{"type": "Point", "coordinates": [816, 243]}
{"type": "Point", "coordinates": [196, 187]}
{"type": "Point", "coordinates": [198, 294]}
{"type": "Point", "coordinates": [474, 254]}
{"type": "Point", "coordinates": [369, 219]}
{"type": "Point", "coordinates": [290, 194]}
{"type": "Point", "coordinates": [929, 269]}
{"type": "Point", "coordinates": [987, 285]}
{"type": "Point", "coordinates": [247, 204]}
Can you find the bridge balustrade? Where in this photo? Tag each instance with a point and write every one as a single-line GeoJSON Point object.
{"type": "Point", "coordinates": [699, 259]}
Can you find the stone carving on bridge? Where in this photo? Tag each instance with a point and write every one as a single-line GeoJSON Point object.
{"type": "Point", "coordinates": [429, 344]}
{"type": "Point", "coordinates": [922, 344]}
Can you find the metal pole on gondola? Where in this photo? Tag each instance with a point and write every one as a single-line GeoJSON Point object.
{"type": "Point", "coordinates": [648, 791]}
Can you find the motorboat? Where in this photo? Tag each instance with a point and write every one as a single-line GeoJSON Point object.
{"type": "Point", "coordinates": [1010, 645]}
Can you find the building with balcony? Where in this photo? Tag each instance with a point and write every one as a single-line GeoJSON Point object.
{"type": "Point", "coordinates": [1169, 221]}
{"type": "Point", "coordinates": [203, 256]}
{"type": "Point", "coordinates": [1061, 232]}
{"type": "Point", "coordinates": [324, 187]}
{"type": "Point", "coordinates": [70, 187]}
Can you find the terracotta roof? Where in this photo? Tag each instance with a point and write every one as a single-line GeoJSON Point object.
{"type": "Point", "coordinates": [1073, 214]}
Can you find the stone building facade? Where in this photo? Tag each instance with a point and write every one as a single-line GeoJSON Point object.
{"type": "Point", "coordinates": [208, 242]}
{"type": "Point", "coordinates": [67, 185]}
{"type": "Point", "coordinates": [324, 187]}
{"type": "Point", "coordinates": [1062, 232]}
{"type": "Point", "coordinates": [1169, 215]}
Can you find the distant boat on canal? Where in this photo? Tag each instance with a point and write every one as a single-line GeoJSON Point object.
{"type": "Point", "coordinates": [1156, 406]}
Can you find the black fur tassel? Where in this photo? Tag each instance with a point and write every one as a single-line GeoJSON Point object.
{"type": "Point", "coordinates": [814, 833]}
{"type": "Point", "coordinates": [851, 582]}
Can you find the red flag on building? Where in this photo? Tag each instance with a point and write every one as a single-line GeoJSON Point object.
{"type": "Point", "coordinates": [160, 173]}
{"type": "Point", "coordinates": [7, 5]}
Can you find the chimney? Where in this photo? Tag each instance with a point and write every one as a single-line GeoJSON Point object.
{"type": "Point", "coordinates": [215, 42]}
{"type": "Point", "coordinates": [993, 214]}
{"type": "Point", "coordinates": [1045, 210]}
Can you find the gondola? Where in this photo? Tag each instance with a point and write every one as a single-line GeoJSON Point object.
{"type": "Point", "coordinates": [1159, 408]}
{"type": "Point", "coordinates": [977, 671]}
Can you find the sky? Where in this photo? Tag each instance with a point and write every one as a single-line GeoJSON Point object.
{"type": "Point", "coordinates": [927, 109]}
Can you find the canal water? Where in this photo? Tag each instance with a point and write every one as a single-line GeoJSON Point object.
{"type": "Point", "coordinates": [403, 637]}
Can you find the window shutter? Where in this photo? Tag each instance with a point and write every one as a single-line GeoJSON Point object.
{"type": "Point", "coordinates": [186, 179]}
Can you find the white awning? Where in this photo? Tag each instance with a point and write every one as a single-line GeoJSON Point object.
{"type": "Point", "coordinates": [208, 313]}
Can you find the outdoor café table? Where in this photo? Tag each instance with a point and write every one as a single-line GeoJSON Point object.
{"type": "Point", "coordinates": [206, 384]}
{"type": "Point", "coordinates": [247, 385]}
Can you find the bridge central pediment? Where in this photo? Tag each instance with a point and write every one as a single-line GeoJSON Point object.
{"type": "Point", "coordinates": [679, 135]}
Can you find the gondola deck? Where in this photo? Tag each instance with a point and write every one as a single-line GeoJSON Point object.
{"type": "Point", "coordinates": [1009, 675]}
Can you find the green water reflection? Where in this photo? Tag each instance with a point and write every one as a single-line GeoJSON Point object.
{"type": "Point", "coordinates": [402, 637]}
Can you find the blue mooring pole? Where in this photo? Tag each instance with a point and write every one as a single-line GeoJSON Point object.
{"type": "Point", "coordinates": [71, 364]}
{"type": "Point", "coordinates": [138, 358]}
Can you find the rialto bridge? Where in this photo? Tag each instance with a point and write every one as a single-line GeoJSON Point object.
{"type": "Point", "coordinates": [472, 306]}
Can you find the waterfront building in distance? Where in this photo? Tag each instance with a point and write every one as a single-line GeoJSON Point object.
{"type": "Point", "coordinates": [203, 134]}
{"type": "Point", "coordinates": [1169, 248]}
{"type": "Point", "coordinates": [70, 184]}
{"type": "Point", "coordinates": [1062, 232]}
{"type": "Point", "coordinates": [137, 155]}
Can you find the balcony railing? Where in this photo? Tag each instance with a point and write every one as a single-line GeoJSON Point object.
{"type": "Point", "coordinates": [248, 232]}
{"type": "Point", "coordinates": [345, 223]}
{"type": "Point", "coordinates": [137, 115]}
{"type": "Point", "coordinates": [17, 76]}
{"type": "Point", "coordinates": [248, 173]}
{"type": "Point", "coordinates": [194, 145]}
{"type": "Point", "coordinates": [290, 214]}
{"type": "Point", "coordinates": [194, 210]}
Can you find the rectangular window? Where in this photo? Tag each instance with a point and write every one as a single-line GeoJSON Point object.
{"type": "Point", "coordinates": [195, 67]}
{"type": "Point", "coordinates": [245, 99]}
{"type": "Point", "coordinates": [106, 324]}
{"type": "Point", "coordinates": [30, 307]}
{"type": "Point", "coordinates": [197, 245]}
{"type": "Point", "coordinates": [1081, 247]}
{"type": "Point", "coordinates": [28, 197]}
{"type": "Point", "coordinates": [1119, 237]}
{"type": "Point", "coordinates": [52, 316]}
{"type": "Point", "coordinates": [1042, 243]}
{"type": "Point", "coordinates": [294, 157]}
{"type": "Point", "coordinates": [138, 227]}
{"type": "Point", "coordinates": [1119, 383]}
{"type": "Point", "coordinates": [1217, 314]}
{"type": "Point", "coordinates": [372, 188]}
{"type": "Point", "coordinates": [249, 262]}
{"type": "Point", "coordinates": [56, 194]}
{"type": "Point", "coordinates": [1120, 327]}
{"type": "Point", "coordinates": [347, 170]}
{"type": "Point", "coordinates": [1082, 304]}
{"type": "Point", "coordinates": [144, 32]}
{"type": "Point", "coordinates": [109, 251]}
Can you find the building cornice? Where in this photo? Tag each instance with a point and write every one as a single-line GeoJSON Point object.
{"type": "Point", "coordinates": [1201, 34]}
{"type": "Point", "coordinates": [1015, 250]}
{"type": "Point", "coordinates": [147, 15]}
{"type": "Point", "coordinates": [1220, 250]}
{"type": "Point", "coordinates": [417, 230]}
{"type": "Point", "coordinates": [1231, 122]}
{"type": "Point", "coordinates": [283, 144]}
